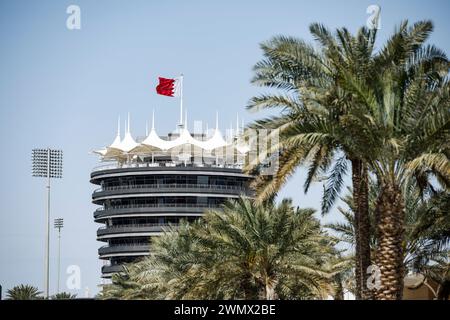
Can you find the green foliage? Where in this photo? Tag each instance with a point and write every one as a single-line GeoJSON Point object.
{"type": "Point", "coordinates": [388, 109]}
{"type": "Point", "coordinates": [427, 235]}
{"type": "Point", "coordinates": [63, 296]}
{"type": "Point", "coordinates": [245, 251]}
{"type": "Point", "coordinates": [23, 292]}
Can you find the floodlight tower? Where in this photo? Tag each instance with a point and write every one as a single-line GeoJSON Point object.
{"type": "Point", "coordinates": [47, 163]}
{"type": "Point", "coordinates": [59, 224]}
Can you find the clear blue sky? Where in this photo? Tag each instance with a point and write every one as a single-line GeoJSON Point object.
{"type": "Point", "coordinates": [65, 89]}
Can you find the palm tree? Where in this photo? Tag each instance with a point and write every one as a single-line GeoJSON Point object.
{"type": "Point", "coordinates": [408, 119]}
{"type": "Point", "coordinates": [345, 228]}
{"type": "Point", "coordinates": [385, 111]}
{"type": "Point", "coordinates": [427, 225]}
{"type": "Point", "coordinates": [270, 245]}
{"type": "Point", "coordinates": [315, 127]}
{"type": "Point", "coordinates": [126, 286]}
{"type": "Point", "coordinates": [23, 292]}
{"type": "Point", "coordinates": [439, 271]}
{"type": "Point", "coordinates": [63, 296]}
{"type": "Point", "coordinates": [245, 251]}
{"type": "Point", "coordinates": [427, 234]}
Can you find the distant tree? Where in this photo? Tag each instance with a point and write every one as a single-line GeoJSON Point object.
{"type": "Point", "coordinates": [23, 292]}
{"type": "Point", "coordinates": [63, 296]}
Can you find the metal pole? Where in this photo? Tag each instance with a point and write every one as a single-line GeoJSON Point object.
{"type": "Point", "coordinates": [47, 242]}
{"type": "Point", "coordinates": [181, 100]}
{"type": "Point", "coordinates": [47, 163]}
{"type": "Point", "coordinates": [59, 257]}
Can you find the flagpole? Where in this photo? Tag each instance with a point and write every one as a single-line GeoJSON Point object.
{"type": "Point", "coordinates": [181, 100]}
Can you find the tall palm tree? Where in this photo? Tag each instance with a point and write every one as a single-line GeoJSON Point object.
{"type": "Point", "coordinates": [245, 251]}
{"type": "Point", "coordinates": [407, 110]}
{"type": "Point", "coordinates": [23, 292]}
{"type": "Point", "coordinates": [315, 127]}
{"type": "Point", "coordinates": [385, 111]}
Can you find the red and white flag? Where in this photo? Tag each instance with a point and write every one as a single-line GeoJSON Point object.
{"type": "Point", "coordinates": [169, 87]}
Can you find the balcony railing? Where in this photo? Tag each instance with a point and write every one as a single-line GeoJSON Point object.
{"type": "Point", "coordinates": [134, 228]}
{"type": "Point", "coordinates": [137, 225]}
{"type": "Point", "coordinates": [110, 166]}
{"type": "Point", "coordinates": [171, 186]}
{"type": "Point", "coordinates": [159, 205]}
{"type": "Point", "coordinates": [123, 248]}
{"type": "Point", "coordinates": [112, 268]}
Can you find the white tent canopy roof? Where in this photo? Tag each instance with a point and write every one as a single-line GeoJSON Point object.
{"type": "Point", "coordinates": [153, 142]}
{"type": "Point", "coordinates": [128, 143]}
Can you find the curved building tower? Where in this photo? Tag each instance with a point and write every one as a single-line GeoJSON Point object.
{"type": "Point", "coordinates": [143, 187]}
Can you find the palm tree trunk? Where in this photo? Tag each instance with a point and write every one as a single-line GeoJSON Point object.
{"type": "Point", "coordinates": [361, 227]}
{"type": "Point", "coordinates": [269, 292]}
{"type": "Point", "coordinates": [356, 181]}
{"type": "Point", "coordinates": [339, 288]}
{"type": "Point", "coordinates": [268, 285]}
{"type": "Point", "coordinates": [390, 230]}
{"type": "Point", "coordinates": [248, 289]}
{"type": "Point", "coordinates": [364, 232]}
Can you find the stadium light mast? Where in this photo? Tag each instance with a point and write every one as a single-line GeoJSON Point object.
{"type": "Point", "coordinates": [47, 163]}
{"type": "Point", "coordinates": [59, 224]}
